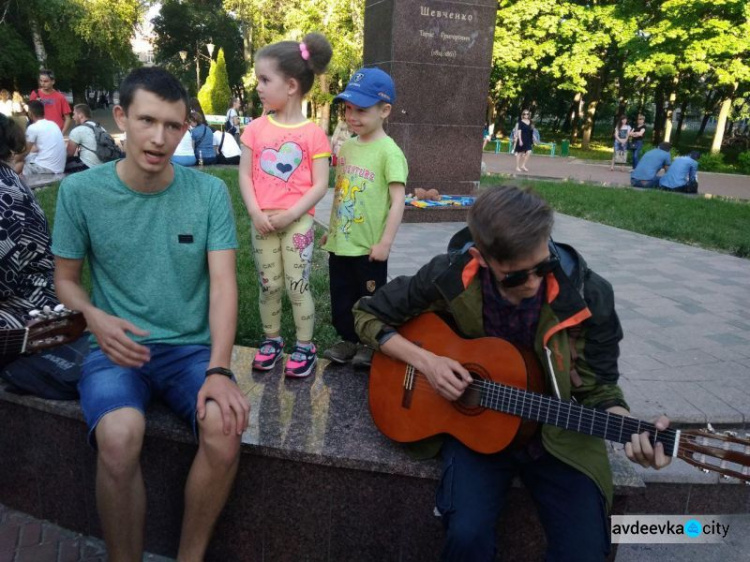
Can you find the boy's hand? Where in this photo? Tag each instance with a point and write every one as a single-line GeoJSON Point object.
{"type": "Point", "coordinates": [380, 251]}
{"type": "Point", "coordinates": [323, 239]}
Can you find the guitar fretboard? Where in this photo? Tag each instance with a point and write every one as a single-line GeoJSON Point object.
{"type": "Point", "coordinates": [12, 342]}
{"type": "Point", "coordinates": [569, 415]}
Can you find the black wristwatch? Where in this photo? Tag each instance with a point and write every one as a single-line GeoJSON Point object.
{"type": "Point", "coordinates": [220, 371]}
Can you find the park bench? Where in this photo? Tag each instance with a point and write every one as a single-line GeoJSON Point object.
{"type": "Point", "coordinates": [218, 121]}
{"type": "Point", "coordinates": [316, 478]}
{"type": "Point", "coordinates": [552, 146]}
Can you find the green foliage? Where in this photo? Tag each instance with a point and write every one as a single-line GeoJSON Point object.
{"type": "Point", "coordinates": [743, 162]}
{"type": "Point", "coordinates": [215, 95]}
{"type": "Point", "coordinates": [16, 57]}
{"type": "Point", "coordinates": [712, 162]}
{"type": "Point", "coordinates": [83, 41]}
{"type": "Point", "coordinates": [188, 26]}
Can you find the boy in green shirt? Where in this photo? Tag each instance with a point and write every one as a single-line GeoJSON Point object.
{"type": "Point", "coordinates": [367, 209]}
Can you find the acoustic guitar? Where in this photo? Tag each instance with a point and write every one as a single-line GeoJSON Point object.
{"type": "Point", "coordinates": [506, 401]}
{"type": "Point", "coordinates": [48, 328]}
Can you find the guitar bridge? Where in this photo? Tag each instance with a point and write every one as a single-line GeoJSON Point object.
{"type": "Point", "coordinates": [410, 377]}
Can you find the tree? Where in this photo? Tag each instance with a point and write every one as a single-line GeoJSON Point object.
{"type": "Point", "coordinates": [81, 40]}
{"type": "Point", "coordinates": [189, 25]}
{"type": "Point", "coordinates": [215, 95]}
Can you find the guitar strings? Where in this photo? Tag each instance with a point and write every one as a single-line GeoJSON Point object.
{"type": "Point", "coordinates": [589, 417]}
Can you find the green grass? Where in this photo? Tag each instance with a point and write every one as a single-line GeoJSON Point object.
{"type": "Point", "coordinates": [715, 224]}
{"type": "Point", "coordinates": [249, 331]}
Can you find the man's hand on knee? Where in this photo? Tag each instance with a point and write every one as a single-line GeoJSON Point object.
{"type": "Point", "coordinates": [232, 403]}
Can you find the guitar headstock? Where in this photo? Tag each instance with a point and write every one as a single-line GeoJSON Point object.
{"type": "Point", "coordinates": [52, 327]}
{"type": "Point", "coordinates": [711, 451]}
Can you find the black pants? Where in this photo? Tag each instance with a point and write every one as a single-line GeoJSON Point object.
{"type": "Point", "coordinates": [351, 278]}
{"type": "Point", "coordinates": [690, 187]}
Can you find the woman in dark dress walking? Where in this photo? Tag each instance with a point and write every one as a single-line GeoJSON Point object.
{"type": "Point", "coordinates": [523, 140]}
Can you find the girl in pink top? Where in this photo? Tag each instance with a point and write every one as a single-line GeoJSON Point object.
{"type": "Point", "coordinates": [283, 174]}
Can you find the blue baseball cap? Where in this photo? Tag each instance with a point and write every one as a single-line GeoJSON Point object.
{"type": "Point", "coordinates": [367, 87]}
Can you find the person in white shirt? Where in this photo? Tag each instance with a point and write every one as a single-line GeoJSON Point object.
{"type": "Point", "coordinates": [184, 154]}
{"type": "Point", "coordinates": [6, 104]}
{"type": "Point", "coordinates": [82, 140]}
{"type": "Point", "coordinates": [233, 117]}
{"type": "Point", "coordinates": [45, 146]}
{"type": "Point", "coordinates": [227, 149]}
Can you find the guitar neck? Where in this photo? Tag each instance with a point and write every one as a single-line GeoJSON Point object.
{"type": "Point", "coordinates": [571, 416]}
{"type": "Point", "coordinates": [13, 342]}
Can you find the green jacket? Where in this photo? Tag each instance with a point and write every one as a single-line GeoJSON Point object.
{"type": "Point", "coordinates": [577, 341]}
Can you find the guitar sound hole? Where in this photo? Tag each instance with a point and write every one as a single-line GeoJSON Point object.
{"type": "Point", "coordinates": [469, 403]}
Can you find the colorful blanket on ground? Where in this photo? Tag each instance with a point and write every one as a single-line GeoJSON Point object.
{"type": "Point", "coordinates": [445, 201]}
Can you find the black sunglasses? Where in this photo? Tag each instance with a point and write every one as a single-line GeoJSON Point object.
{"type": "Point", "coordinates": [516, 278]}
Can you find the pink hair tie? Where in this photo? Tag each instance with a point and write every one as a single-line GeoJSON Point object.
{"type": "Point", "coordinates": [304, 52]}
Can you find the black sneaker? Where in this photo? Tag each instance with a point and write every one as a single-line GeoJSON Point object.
{"type": "Point", "coordinates": [268, 355]}
{"type": "Point", "coordinates": [301, 362]}
{"type": "Point", "coordinates": [363, 358]}
{"type": "Point", "coordinates": [341, 352]}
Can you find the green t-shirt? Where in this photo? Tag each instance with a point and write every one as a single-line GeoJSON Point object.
{"type": "Point", "coordinates": [362, 199]}
{"type": "Point", "coordinates": [147, 252]}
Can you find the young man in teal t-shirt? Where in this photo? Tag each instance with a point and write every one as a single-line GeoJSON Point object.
{"type": "Point", "coordinates": [160, 241]}
{"type": "Point", "coordinates": [368, 206]}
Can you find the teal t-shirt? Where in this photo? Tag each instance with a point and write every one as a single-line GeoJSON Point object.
{"type": "Point", "coordinates": [362, 199]}
{"type": "Point", "coordinates": [147, 252]}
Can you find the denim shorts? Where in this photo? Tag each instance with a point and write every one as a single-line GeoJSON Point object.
{"type": "Point", "coordinates": [174, 374]}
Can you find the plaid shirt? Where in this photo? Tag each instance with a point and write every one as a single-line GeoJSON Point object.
{"type": "Point", "coordinates": [502, 319]}
{"type": "Point", "coordinates": [516, 324]}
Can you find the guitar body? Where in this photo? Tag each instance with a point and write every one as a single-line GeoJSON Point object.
{"type": "Point", "coordinates": [406, 408]}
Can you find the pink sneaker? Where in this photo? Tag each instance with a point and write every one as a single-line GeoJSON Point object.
{"type": "Point", "coordinates": [301, 362]}
{"type": "Point", "coordinates": [268, 355]}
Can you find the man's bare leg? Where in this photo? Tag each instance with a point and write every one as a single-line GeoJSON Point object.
{"type": "Point", "coordinates": [120, 493]}
{"type": "Point", "coordinates": [208, 484]}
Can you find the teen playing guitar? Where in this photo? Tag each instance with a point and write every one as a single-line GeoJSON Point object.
{"type": "Point", "coordinates": [503, 277]}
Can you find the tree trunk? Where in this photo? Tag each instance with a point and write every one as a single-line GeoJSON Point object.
{"type": "Point", "coordinates": [36, 37]}
{"type": "Point", "coordinates": [588, 125]}
{"type": "Point", "coordinates": [571, 114]}
{"type": "Point", "coordinates": [726, 105]}
{"type": "Point", "coordinates": [659, 115]}
{"type": "Point", "coordinates": [668, 116]}
{"type": "Point", "coordinates": [708, 111]}
{"type": "Point", "coordinates": [576, 129]}
{"type": "Point", "coordinates": [325, 110]}
{"type": "Point", "coordinates": [683, 109]}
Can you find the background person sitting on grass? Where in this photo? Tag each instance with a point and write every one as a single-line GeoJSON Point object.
{"type": "Point", "coordinates": [682, 175]}
{"type": "Point", "coordinates": [647, 170]}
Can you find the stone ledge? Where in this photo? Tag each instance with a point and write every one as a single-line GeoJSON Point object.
{"type": "Point", "coordinates": [316, 480]}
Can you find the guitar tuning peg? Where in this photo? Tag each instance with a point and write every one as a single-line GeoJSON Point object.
{"type": "Point", "coordinates": [34, 313]}
{"type": "Point", "coordinates": [731, 433]}
{"type": "Point", "coordinates": [59, 308]}
{"type": "Point", "coordinates": [724, 477]}
{"type": "Point", "coordinates": [705, 470]}
{"type": "Point", "coordinates": [710, 428]}
{"type": "Point", "coordinates": [46, 309]}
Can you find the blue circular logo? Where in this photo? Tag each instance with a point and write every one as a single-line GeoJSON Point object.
{"type": "Point", "coordinates": [693, 528]}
